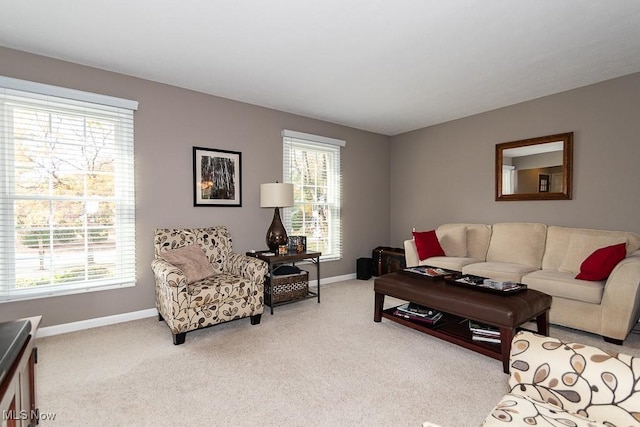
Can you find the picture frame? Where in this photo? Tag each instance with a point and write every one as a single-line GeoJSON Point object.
{"type": "Point", "coordinates": [217, 177]}
{"type": "Point", "coordinates": [297, 244]}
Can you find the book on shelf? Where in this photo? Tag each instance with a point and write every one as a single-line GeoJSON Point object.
{"type": "Point", "coordinates": [483, 329]}
{"type": "Point", "coordinates": [417, 309]}
{"type": "Point", "coordinates": [483, 332]}
{"type": "Point", "coordinates": [419, 312]}
{"type": "Point", "coordinates": [486, 338]}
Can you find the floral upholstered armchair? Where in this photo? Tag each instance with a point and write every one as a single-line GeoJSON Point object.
{"type": "Point", "coordinates": [556, 383]}
{"type": "Point", "coordinates": [201, 282]}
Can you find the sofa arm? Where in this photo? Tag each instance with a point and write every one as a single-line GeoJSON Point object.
{"type": "Point", "coordinates": [250, 268]}
{"type": "Point", "coordinates": [578, 378]}
{"type": "Point", "coordinates": [621, 298]}
{"type": "Point", "coordinates": [411, 253]}
{"type": "Point", "coordinates": [167, 273]}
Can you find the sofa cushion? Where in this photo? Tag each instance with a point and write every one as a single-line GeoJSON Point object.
{"type": "Point", "coordinates": [449, 262]}
{"type": "Point", "coordinates": [581, 245]}
{"type": "Point", "coordinates": [564, 285]}
{"type": "Point", "coordinates": [453, 240]}
{"type": "Point", "coordinates": [518, 243]}
{"type": "Point", "coordinates": [217, 289]}
{"type": "Point", "coordinates": [505, 271]}
{"type": "Point", "coordinates": [427, 244]}
{"type": "Point", "coordinates": [478, 238]}
{"type": "Point", "coordinates": [600, 264]}
{"type": "Point", "coordinates": [191, 259]}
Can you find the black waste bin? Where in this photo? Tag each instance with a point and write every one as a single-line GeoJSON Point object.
{"type": "Point", "coordinates": [364, 268]}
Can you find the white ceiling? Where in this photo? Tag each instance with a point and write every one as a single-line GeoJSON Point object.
{"type": "Point", "coordinates": [387, 66]}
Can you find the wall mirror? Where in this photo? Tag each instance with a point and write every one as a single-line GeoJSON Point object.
{"type": "Point", "coordinates": [535, 169]}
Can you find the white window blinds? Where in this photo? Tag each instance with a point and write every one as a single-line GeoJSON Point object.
{"type": "Point", "coordinates": [67, 206]}
{"type": "Point", "coordinates": [313, 165]}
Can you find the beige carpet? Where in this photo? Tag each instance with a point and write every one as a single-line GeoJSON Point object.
{"type": "Point", "coordinates": [309, 364]}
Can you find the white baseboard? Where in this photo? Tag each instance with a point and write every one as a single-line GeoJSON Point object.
{"type": "Point", "coordinates": [327, 280]}
{"type": "Point", "coordinates": [95, 323]}
{"type": "Point", "coordinates": [135, 315]}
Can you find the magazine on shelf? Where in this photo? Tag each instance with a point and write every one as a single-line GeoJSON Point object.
{"type": "Point", "coordinates": [481, 335]}
{"type": "Point", "coordinates": [417, 310]}
{"type": "Point", "coordinates": [426, 270]}
{"type": "Point", "coordinates": [483, 329]}
{"type": "Point", "coordinates": [430, 320]}
{"type": "Point", "coordinates": [483, 338]}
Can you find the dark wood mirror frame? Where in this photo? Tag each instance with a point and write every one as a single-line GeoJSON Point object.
{"type": "Point", "coordinates": [567, 168]}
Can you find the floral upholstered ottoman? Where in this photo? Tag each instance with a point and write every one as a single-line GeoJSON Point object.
{"type": "Point", "coordinates": [556, 383]}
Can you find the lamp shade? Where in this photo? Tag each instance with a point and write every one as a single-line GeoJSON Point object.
{"type": "Point", "coordinates": [276, 195]}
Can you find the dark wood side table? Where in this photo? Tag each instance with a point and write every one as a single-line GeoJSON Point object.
{"type": "Point", "coordinates": [291, 258]}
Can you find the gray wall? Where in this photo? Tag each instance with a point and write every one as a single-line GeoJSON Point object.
{"type": "Point", "coordinates": [445, 173]}
{"type": "Point", "coordinates": [169, 122]}
{"type": "Point", "coordinates": [421, 179]}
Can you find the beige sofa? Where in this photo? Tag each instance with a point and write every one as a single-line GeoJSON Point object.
{"type": "Point", "coordinates": [547, 258]}
{"type": "Point", "coordinates": [556, 383]}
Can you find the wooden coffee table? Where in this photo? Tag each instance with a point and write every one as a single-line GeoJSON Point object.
{"type": "Point", "coordinates": [459, 304]}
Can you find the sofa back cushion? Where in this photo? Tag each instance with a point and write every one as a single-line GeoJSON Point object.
{"type": "Point", "coordinates": [475, 242]}
{"type": "Point", "coordinates": [567, 247]}
{"type": "Point", "coordinates": [214, 241]}
{"type": "Point", "coordinates": [453, 239]}
{"type": "Point", "coordinates": [517, 242]}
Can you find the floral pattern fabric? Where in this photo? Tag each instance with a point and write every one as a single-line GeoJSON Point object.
{"type": "Point", "coordinates": [556, 383]}
{"type": "Point", "coordinates": [234, 291]}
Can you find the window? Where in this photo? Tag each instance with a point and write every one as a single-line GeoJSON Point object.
{"type": "Point", "coordinates": [508, 179]}
{"type": "Point", "coordinates": [312, 165]}
{"type": "Point", "coordinates": [67, 212]}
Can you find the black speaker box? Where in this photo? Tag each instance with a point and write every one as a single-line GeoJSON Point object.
{"type": "Point", "coordinates": [364, 268]}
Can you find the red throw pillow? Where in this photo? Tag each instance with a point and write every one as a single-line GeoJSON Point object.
{"type": "Point", "coordinates": [427, 244]}
{"type": "Point", "coordinates": [601, 262]}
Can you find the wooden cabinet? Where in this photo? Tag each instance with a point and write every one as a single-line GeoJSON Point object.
{"type": "Point", "coordinates": [18, 387]}
{"type": "Point", "coordinates": [387, 260]}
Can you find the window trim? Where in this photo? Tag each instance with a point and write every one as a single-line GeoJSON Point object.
{"type": "Point", "coordinates": [67, 93]}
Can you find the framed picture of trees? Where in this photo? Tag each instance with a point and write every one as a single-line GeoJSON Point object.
{"type": "Point", "coordinates": [217, 177]}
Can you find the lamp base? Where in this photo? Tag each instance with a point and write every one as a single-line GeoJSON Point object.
{"type": "Point", "coordinates": [276, 234]}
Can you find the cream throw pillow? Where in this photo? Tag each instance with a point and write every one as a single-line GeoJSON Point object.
{"type": "Point", "coordinates": [453, 241]}
{"type": "Point", "coordinates": [191, 260]}
{"type": "Point", "coordinates": [581, 246]}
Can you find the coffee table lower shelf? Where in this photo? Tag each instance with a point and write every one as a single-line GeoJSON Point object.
{"type": "Point", "coordinates": [451, 328]}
